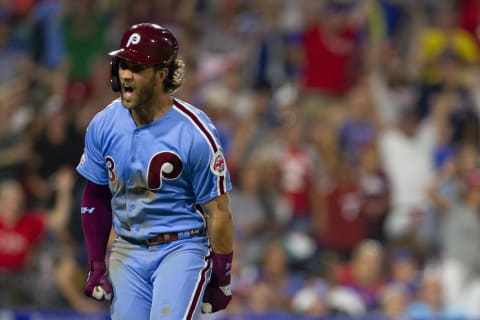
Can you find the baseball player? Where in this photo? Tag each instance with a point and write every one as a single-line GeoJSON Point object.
{"type": "Point", "coordinates": [155, 169]}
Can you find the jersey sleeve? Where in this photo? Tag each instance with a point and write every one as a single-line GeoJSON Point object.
{"type": "Point", "coordinates": [92, 164]}
{"type": "Point", "coordinates": [208, 168]}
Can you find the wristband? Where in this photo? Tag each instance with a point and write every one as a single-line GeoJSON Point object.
{"type": "Point", "coordinates": [97, 266]}
{"type": "Point", "coordinates": [222, 267]}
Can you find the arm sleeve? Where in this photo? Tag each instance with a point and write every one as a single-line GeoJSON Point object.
{"type": "Point", "coordinates": [96, 216]}
{"type": "Point", "coordinates": [210, 176]}
{"type": "Point", "coordinates": [92, 164]}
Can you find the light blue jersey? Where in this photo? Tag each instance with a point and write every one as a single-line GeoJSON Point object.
{"type": "Point", "coordinates": [158, 173]}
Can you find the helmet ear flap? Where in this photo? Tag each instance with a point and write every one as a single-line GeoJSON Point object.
{"type": "Point", "coordinates": [114, 77]}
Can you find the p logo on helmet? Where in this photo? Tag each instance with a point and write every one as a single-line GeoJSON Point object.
{"type": "Point", "coordinates": [134, 38]}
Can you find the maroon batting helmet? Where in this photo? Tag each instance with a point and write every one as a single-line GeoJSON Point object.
{"type": "Point", "coordinates": [144, 43]}
{"type": "Point", "coordinates": [147, 43]}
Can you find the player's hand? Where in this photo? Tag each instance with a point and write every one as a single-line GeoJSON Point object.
{"type": "Point", "coordinates": [218, 292]}
{"type": "Point", "coordinates": [98, 285]}
{"type": "Point", "coordinates": [216, 297]}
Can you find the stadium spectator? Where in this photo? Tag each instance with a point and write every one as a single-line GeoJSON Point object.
{"type": "Point", "coordinates": [219, 100]}
{"type": "Point", "coordinates": [297, 172]}
{"type": "Point", "coordinates": [405, 138]}
{"type": "Point", "coordinates": [394, 299]}
{"type": "Point", "coordinates": [364, 273]}
{"type": "Point", "coordinates": [467, 160]}
{"type": "Point", "coordinates": [274, 58]}
{"type": "Point", "coordinates": [430, 303]}
{"type": "Point", "coordinates": [85, 42]}
{"type": "Point", "coordinates": [250, 219]}
{"type": "Point", "coordinates": [15, 147]}
{"type": "Point", "coordinates": [15, 60]}
{"type": "Point", "coordinates": [276, 277]}
{"type": "Point", "coordinates": [262, 299]}
{"type": "Point", "coordinates": [359, 127]}
{"type": "Point", "coordinates": [312, 300]}
{"type": "Point", "coordinates": [70, 281]}
{"type": "Point", "coordinates": [323, 136]}
{"type": "Point", "coordinates": [375, 191]}
{"type": "Point", "coordinates": [332, 53]}
{"type": "Point", "coordinates": [461, 261]}
{"type": "Point", "coordinates": [440, 35]}
{"type": "Point", "coordinates": [22, 230]}
{"type": "Point", "coordinates": [255, 129]}
{"type": "Point", "coordinates": [56, 146]}
{"type": "Point", "coordinates": [101, 92]}
{"type": "Point", "coordinates": [342, 225]}
{"type": "Point", "coordinates": [41, 33]}
{"type": "Point", "coordinates": [403, 268]}
{"type": "Point", "coordinates": [443, 190]}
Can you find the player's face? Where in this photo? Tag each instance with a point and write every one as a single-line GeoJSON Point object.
{"type": "Point", "coordinates": [138, 82]}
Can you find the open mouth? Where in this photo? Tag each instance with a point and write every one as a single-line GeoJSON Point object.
{"type": "Point", "coordinates": [127, 91]}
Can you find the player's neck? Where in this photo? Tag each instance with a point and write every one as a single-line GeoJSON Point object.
{"type": "Point", "coordinates": [155, 109]}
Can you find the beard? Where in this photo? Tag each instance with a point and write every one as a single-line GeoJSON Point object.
{"type": "Point", "coordinates": [140, 98]}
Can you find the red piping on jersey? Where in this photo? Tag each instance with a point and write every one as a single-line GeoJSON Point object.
{"type": "Point", "coordinates": [207, 134]}
{"type": "Point", "coordinates": [199, 124]}
{"type": "Point", "coordinates": [198, 289]}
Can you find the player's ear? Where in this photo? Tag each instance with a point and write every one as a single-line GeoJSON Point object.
{"type": "Point", "coordinates": [162, 73]}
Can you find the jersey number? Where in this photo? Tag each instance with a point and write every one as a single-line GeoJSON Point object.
{"type": "Point", "coordinates": [163, 165]}
{"type": "Point", "coordinates": [111, 169]}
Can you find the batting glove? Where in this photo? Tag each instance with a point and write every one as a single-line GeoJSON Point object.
{"type": "Point", "coordinates": [218, 293]}
{"type": "Point", "coordinates": [216, 297]}
{"type": "Point", "coordinates": [98, 285]}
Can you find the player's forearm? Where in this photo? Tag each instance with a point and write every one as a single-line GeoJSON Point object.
{"type": "Point", "coordinates": [220, 224]}
{"type": "Point", "coordinates": [220, 229]}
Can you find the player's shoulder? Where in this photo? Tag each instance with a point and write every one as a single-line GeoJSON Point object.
{"type": "Point", "coordinates": [109, 112]}
{"type": "Point", "coordinates": [186, 107]}
{"type": "Point", "coordinates": [202, 131]}
{"type": "Point", "coordinates": [193, 114]}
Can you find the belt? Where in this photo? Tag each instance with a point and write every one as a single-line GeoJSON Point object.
{"type": "Point", "coordinates": [167, 237]}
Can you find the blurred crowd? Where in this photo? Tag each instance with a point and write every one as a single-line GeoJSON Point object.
{"type": "Point", "coordinates": [351, 130]}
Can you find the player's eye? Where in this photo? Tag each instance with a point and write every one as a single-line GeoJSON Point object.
{"type": "Point", "coordinates": [138, 67]}
{"type": "Point", "coordinates": [133, 67]}
{"type": "Point", "coordinates": [122, 64]}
